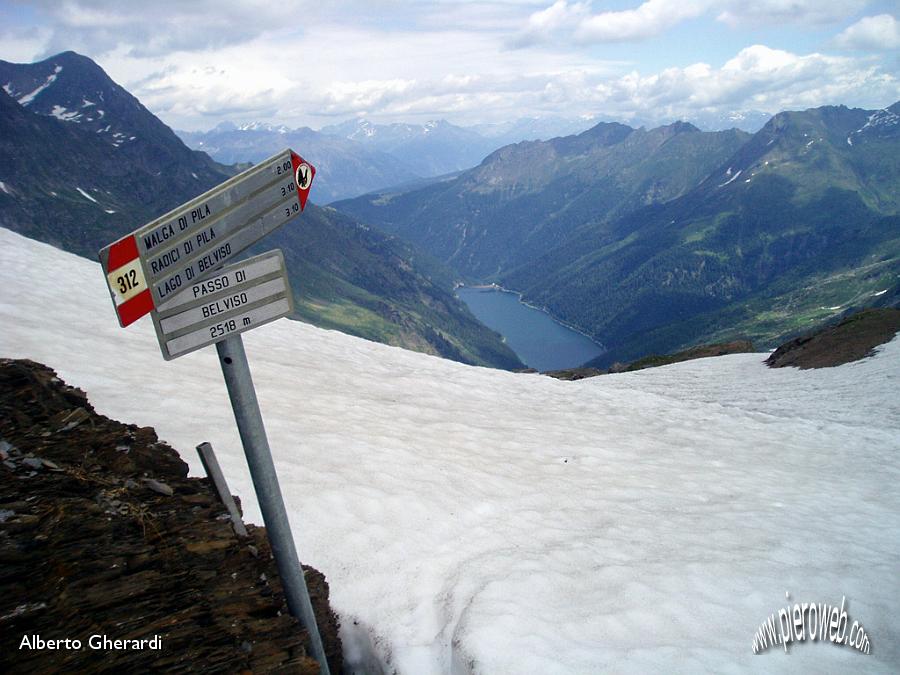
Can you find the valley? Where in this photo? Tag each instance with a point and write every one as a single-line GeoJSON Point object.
{"type": "Point", "coordinates": [647, 240]}
{"type": "Point", "coordinates": [655, 241]}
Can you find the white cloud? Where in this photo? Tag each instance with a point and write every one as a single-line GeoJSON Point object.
{"type": "Point", "coordinates": [737, 13]}
{"type": "Point", "coordinates": [558, 16]}
{"type": "Point", "coordinates": [881, 32]}
{"type": "Point", "coordinates": [162, 26]}
{"type": "Point", "coordinates": [21, 46]}
{"type": "Point", "coordinates": [576, 21]}
{"type": "Point", "coordinates": [414, 60]}
{"type": "Point", "coordinates": [758, 77]}
{"type": "Point", "coordinates": [649, 19]}
{"type": "Point", "coordinates": [256, 82]}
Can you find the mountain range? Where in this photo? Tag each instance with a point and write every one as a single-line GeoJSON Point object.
{"type": "Point", "coordinates": [524, 199]}
{"type": "Point", "coordinates": [655, 240]}
{"type": "Point", "coordinates": [343, 167]}
{"type": "Point", "coordinates": [430, 149]}
{"type": "Point", "coordinates": [85, 163]}
{"type": "Point", "coordinates": [360, 156]}
{"type": "Point", "coordinates": [649, 240]}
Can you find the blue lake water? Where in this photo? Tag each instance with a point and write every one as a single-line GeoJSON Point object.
{"type": "Point", "coordinates": [538, 340]}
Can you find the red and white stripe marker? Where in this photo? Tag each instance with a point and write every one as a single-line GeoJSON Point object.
{"type": "Point", "coordinates": [127, 283]}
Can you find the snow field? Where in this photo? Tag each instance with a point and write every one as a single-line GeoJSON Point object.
{"type": "Point", "coordinates": [472, 520]}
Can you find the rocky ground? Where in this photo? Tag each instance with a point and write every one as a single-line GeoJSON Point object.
{"type": "Point", "coordinates": [853, 338]}
{"type": "Point", "coordinates": [102, 533]}
{"type": "Point", "coordinates": [701, 352]}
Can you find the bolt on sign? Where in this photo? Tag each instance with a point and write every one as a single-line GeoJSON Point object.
{"type": "Point", "coordinates": [237, 298]}
{"type": "Point", "coordinates": [157, 261]}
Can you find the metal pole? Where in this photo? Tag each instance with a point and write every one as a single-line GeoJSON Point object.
{"type": "Point", "coordinates": [217, 478]}
{"type": "Point", "coordinates": [236, 370]}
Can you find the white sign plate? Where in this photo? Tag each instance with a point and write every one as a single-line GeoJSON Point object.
{"type": "Point", "coordinates": [236, 299]}
{"type": "Point", "coordinates": [153, 264]}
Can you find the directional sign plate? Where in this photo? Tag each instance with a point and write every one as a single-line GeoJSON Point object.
{"type": "Point", "coordinates": [154, 263]}
{"type": "Point", "coordinates": [235, 299]}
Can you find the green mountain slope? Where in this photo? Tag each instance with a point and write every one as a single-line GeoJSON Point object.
{"type": "Point", "coordinates": [798, 225]}
{"type": "Point", "coordinates": [78, 180]}
{"type": "Point", "coordinates": [360, 281]}
{"type": "Point", "coordinates": [528, 198]}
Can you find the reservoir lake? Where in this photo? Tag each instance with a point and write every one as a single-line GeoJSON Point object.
{"type": "Point", "coordinates": [539, 341]}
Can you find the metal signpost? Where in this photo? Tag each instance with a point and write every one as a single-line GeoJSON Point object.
{"type": "Point", "coordinates": [172, 268]}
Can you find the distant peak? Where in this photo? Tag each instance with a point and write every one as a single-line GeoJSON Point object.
{"type": "Point", "coordinates": [680, 127]}
{"type": "Point", "coordinates": [70, 58]}
{"type": "Point", "coordinates": [611, 132]}
{"type": "Point", "coordinates": [603, 126]}
{"type": "Point", "coordinates": [252, 126]}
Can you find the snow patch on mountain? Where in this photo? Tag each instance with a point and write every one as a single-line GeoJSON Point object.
{"type": "Point", "coordinates": [263, 126]}
{"type": "Point", "coordinates": [878, 121]}
{"type": "Point", "coordinates": [880, 118]}
{"type": "Point", "coordinates": [61, 113]}
{"type": "Point", "coordinates": [28, 98]}
{"type": "Point", "coordinates": [474, 520]}
{"type": "Point", "coordinates": [733, 177]}
{"type": "Point", "coordinates": [86, 195]}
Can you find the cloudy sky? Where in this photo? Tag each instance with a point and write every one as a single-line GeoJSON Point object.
{"type": "Point", "coordinates": [299, 62]}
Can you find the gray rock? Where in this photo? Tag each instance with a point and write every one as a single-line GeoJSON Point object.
{"type": "Point", "coordinates": [33, 462]}
{"type": "Point", "coordinates": [74, 418]}
{"type": "Point", "coordinates": [156, 486]}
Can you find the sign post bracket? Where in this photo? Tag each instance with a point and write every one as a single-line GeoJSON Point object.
{"type": "Point", "coordinates": [239, 383]}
